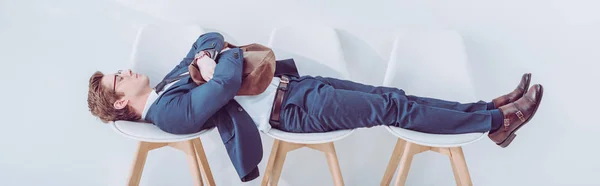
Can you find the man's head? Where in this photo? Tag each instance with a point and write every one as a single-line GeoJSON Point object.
{"type": "Point", "coordinates": [118, 96]}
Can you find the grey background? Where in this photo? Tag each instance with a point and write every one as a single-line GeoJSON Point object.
{"type": "Point", "coordinates": [49, 49]}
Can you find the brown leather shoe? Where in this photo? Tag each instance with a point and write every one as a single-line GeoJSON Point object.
{"type": "Point", "coordinates": [517, 114]}
{"type": "Point", "coordinates": [515, 94]}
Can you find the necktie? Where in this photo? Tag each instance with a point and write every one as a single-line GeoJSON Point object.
{"type": "Point", "coordinates": [160, 86]}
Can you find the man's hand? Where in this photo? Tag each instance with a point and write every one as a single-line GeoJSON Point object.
{"type": "Point", "coordinates": [207, 67]}
{"type": "Point", "coordinates": [206, 64]}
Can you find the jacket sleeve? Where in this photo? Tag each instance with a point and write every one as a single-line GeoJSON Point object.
{"type": "Point", "coordinates": [211, 40]}
{"type": "Point", "coordinates": [208, 98]}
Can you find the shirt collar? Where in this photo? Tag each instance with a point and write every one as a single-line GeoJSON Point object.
{"type": "Point", "coordinates": [151, 98]}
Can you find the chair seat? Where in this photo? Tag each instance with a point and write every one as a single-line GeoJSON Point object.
{"type": "Point", "coordinates": [435, 140]}
{"type": "Point", "coordinates": [151, 133]}
{"type": "Point", "coordinates": [309, 138]}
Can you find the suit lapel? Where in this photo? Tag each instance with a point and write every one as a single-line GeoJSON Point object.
{"type": "Point", "coordinates": [179, 83]}
{"type": "Point", "coordinates": [182, 81]}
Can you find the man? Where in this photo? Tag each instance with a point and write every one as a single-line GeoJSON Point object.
{"type": "Point", "coordinates": [292, 103]}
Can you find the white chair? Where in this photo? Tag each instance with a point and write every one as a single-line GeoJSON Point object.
{"type": "Point", "coordinates": [316, 51]}
{"type": "Point", "coordinates": [156, 51]}
{"type": "Point", "coordinates": [430, 64]}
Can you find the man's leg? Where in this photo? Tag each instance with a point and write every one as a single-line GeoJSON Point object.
{"type": "Point", "coordinates": [350, 85]}
{"type": "Point", "coordinates": [314, 106]}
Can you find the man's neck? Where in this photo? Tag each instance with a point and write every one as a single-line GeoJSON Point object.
{"type": "Point", "coordinates": [140, 102]}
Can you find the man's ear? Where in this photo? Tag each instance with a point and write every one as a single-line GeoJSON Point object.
{"type": "Point", "coordinates": [121, 103]}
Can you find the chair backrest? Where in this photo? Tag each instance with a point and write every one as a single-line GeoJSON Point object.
{"type": "Point", "coordinates": [431, 64]}
{"type": "Point", "coordinates": [159, 48]}
{"type": "Point", "coordinates": [316, 50]}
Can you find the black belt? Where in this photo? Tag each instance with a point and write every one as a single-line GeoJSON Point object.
{"type": "Point", "coordinates": [276, 110]}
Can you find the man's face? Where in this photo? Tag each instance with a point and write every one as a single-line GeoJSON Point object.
{"type": "Point", "coordinates": [126, 82]}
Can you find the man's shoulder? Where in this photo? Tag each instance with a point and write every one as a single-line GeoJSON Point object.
{"type": "Point", "coordinates": [167, 110]}
{"type": "Point", "coordinates": [170, 101]}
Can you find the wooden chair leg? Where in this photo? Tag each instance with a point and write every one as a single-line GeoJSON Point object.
{"type": "Point", "coordinates": [332, 161]}
{"type": "Point", "coordinates": [188, 148]}
{"type": "Point", "coordinates": [279, 160]}
{"type": "Point", "coordinates": [455, 171]}
{"type": "Point", "coordinates": [270, 163]}
{"type": "Point", "coordinates": [393, 164]}
{"type": "Point", "coordinates": [203, 162]}
{"type": "Point", "coordinates": [459, 166]}
{"type": "Point", "coordinates": [410, 149]}
{"type": "Point", "coordinates": [446, 151]}
{"type": "Point", "coordinates": [138, 163]}
{"type": "Point", "coordinates": [279, 153]}
{"type": "Point", "coordinates": [334, 165]}
{"type": "Point", "coordinates": [194, 153]}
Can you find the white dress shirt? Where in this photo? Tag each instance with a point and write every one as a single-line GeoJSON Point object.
{"type": "Point", "coordinates": [257, 106]}
{"type": "Point", "coordinates": [153, 96]}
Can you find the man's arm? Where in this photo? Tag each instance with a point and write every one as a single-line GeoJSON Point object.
{"type": "Point", "coordinates": [208, 98]}
{"type": "Point", "coordinates": [207, 41]}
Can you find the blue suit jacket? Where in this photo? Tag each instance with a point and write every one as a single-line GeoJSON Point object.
{"type": "Point", "coordinates": [186, 108]}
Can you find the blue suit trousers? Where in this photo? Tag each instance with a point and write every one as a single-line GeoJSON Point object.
{"type": "Point", "coordinates": [320, 104]}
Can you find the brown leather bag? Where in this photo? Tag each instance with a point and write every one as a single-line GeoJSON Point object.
{"type": "Point", "coordinates": [258, 69]}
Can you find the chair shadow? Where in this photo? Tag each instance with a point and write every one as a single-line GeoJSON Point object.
{"type": "Point", "coordinates": [360, 56]}
{"type": "Point", "coordinates": [227, 37]}
{"type": "Point", "coordinates": [307, 66]}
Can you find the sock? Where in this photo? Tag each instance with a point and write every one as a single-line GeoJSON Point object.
{"type": "Point", "coordinates": [497, 120]}
{"type": "Point", "coordinates": [490, 106]}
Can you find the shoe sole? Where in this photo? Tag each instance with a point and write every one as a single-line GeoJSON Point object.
{"type": "Point", "coordinates": [512, 135]}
